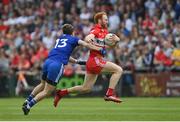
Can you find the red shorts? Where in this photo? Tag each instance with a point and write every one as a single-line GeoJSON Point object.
{"type": "Point", "coordinates": [94, 65]}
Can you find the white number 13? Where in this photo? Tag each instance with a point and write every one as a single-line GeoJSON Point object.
{"type": "Point", "coordinates": [61, 43]}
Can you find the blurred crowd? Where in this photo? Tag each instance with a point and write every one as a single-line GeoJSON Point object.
{"type": "Point", "coordinates": [149, 31]}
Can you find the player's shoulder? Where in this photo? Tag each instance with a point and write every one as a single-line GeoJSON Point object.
{"type": "Point", "coordinates": [65, 36]}
{"type": "Point", "coordinates": [96, 27]}
{"type": "Point", "coordinates": [68, 36]}
{"type": "Point", "coordinates": [75, 37]}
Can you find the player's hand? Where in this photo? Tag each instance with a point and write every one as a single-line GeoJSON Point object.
{"type": "Point", "coordinates": [115, 38]}
{"type": "Point", "coordinates": [80, 62]}
{"type": "Point", "coordinates": [103, 51]}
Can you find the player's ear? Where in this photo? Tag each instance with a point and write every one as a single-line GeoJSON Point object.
{"type": "Point", "coordinates": [99, 21]}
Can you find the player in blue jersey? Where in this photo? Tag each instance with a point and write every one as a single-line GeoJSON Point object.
{"type": "Point", "coordinates": [54, 65]}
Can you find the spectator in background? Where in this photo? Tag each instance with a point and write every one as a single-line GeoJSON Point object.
{"type": "Point", "coordinates": [15, 57]}
{"type": "Point", "coordinates": [48, 39]}
{"type": "Point", "coordinates": [36, 34]}
{"type": "Point", "coordinates": [4, 62]}
{"type": "Point", "coordinates": [139, 60]}
{"type": "Point", "coordinates": [150, 5]}
{"type": "Point", "coordinates": [168, 48]}
{"type": "Point", "coordinates": [176, 57]}
{"type": "Point", "coordinates": [85, 14]}
{"type": "Point", "coordinates": [177, 9]}
{"type": "Point", "coordinates": [18, 39]}
{"type": "Point", "coordinates": [128, 22]}
{"type": "Point", "coordinates": [114, 21]}
{"type": "Point", "coordinates": [162, 60]}
{"type": "Point", "coordinates": [24, 63]}
{"type": "Point", "coordinates": [148, 24]}
{"type": "Point", "coordinates": [147, 57]}
{"type": "Point", "coordinates": [21, 83]}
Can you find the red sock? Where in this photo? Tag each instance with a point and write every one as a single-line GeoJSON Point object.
{"type": "Point", "coordinates": [109, 92]}
{"type": "Point", "coordinates": [63, 92]}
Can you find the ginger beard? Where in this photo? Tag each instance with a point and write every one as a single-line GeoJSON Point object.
{"type": "Point", "coordinates": [104, 21]}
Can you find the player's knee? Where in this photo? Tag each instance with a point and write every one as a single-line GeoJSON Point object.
{"type": "Point", "coordinates": [86, 89]}
{"type": "Point", "coordinates": [42, 84]}
{"type": "Point", "coordinates": [46, 92]}
{"type": "Point", "coordinates": [119, 70]}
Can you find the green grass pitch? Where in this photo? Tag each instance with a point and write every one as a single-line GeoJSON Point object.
{"type": "Point", "coordinates": [91, 109]}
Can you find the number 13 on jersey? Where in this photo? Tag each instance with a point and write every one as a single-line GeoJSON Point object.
{"type": "Point", "coordinates": [61, 43]}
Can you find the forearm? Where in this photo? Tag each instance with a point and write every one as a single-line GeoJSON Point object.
{"type": "Point", "coordinates": [75, 61]}
{"type": "Point", "coordinates": [72, 60]}
{"type": "Point", "coordinates": [89, 38]}
{"type": "Point", "coordinates": [93, 47]}
{"type": "Point", "coordinates": [89, 45]}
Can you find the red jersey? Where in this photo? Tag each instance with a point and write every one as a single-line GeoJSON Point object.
{"type": "Point", "coordinates": [100, 34]}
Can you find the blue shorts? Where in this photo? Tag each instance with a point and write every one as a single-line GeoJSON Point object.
{"type": "Point", "coordinates": [52, 71]}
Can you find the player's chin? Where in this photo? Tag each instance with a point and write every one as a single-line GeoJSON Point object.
{"type": "Point", "coordinates": [105, 25]}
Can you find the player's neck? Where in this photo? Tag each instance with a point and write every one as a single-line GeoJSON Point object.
{"type": "Point", "coordinates": [102, 26]}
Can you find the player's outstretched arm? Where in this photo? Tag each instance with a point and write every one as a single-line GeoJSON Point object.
{"type": "Point", "coordinates": [89, 38]}
{"type": "Point", "coordinates": [75, 61]}
{"type": "Point", "coordinates": [92, 47]}
{"type": "Point", "coordinates": [72, 60]}
{"type": "Point", "coordinates": [89, 45]}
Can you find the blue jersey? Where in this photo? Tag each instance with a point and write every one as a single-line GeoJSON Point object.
{"type": "Point", "coordinates": [65, 44]}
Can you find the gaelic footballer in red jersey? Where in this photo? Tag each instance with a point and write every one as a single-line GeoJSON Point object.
{"type": "Point", "coordinates": [96, 64]}
{"type": "Point", "coordinates": [99, 35]}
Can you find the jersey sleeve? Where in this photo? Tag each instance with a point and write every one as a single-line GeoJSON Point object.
{"type": "Point", "coordinates": [95, 31]}
{"type": "Point", "coordinates": [76, 39]}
